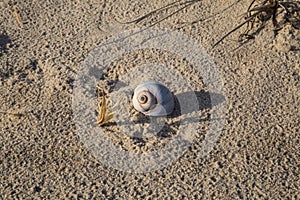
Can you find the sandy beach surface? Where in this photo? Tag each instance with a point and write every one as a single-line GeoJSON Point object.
{"type": "Point", "coordinates": [46, 152]}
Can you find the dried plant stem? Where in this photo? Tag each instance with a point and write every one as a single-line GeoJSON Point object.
{"type": "Point", "coordinates": [18, 17]}
{"type": "Point", "coordinates": [103, 117]}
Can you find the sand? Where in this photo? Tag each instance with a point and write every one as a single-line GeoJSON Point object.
{"type": "Point", "coordinates": [45, 154]}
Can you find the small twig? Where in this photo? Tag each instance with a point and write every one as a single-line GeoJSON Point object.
{"type": "Point", "coordinates": [102, 117]}
{"type": "Point", "coordinates": [17, 16]}
{"type": "Point", "coordinates": [102, 109]}
{"type": "Point", "coordinates": [19, 114]}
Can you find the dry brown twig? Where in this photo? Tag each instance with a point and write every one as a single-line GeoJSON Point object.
{"type": "Point", "coordinates": [18, 114]}
{"type": "Point", "coordinates": [103, 117]}
{"type": "Point", "coordinates": [17, 16]}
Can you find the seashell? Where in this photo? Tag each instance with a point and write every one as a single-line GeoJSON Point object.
{"type": "Point", "coordinates": [153, 99]}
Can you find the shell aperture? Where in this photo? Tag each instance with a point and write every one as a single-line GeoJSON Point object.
{"type": "Point", "coordinates": [153, 99]}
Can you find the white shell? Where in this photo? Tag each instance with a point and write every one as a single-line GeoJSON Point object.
{"type": "Point", "coordinates": [153, 99]}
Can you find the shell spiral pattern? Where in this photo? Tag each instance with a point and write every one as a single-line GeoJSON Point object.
{"type": "Point", "coordinates": [153, 99]}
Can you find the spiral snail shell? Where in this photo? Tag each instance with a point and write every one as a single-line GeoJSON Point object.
{"type": "Point", "coordinates": [153, 99]}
